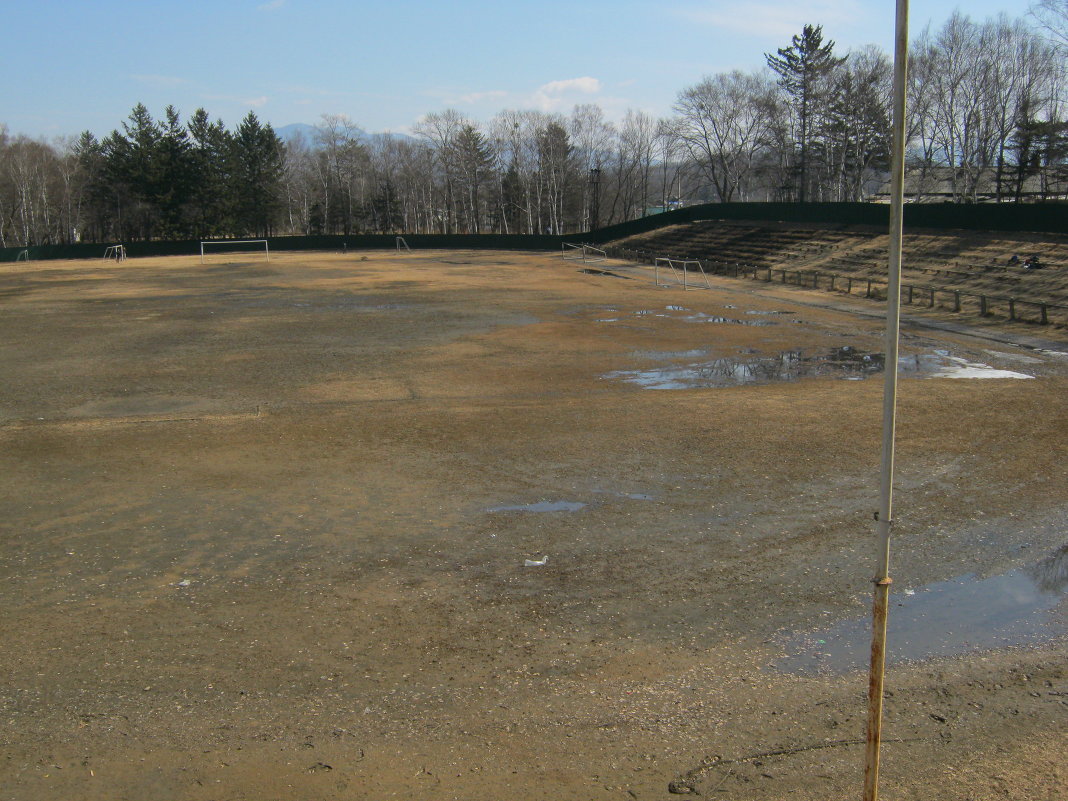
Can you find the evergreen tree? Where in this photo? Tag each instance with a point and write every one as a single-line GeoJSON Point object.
{"type": "Point", "coordinates": [257, 179]}
{"type": "Point", "coordinates": [803, 69]}
{"type": "Point", "coordinates": [474, 161]}
{"type": "Point", "coordinates": [175, 177]}
{"type": "Point", "coordinates": [211, 156]}
{"type": "Point", "coordinates": [91, 172]}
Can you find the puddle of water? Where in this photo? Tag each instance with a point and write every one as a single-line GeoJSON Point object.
{"type": "Point", "coordinates": [664, 355]}
{"type": "Point", "coordinates": [541, 506]}
{"type": "Point", "coordinates": [701, 317]}
{"type": "Point", "coordinates": [955, 367]}
{"type": "Point", "coordinates": [842, 363]}
{"type": "Point", "coordinates": [946, 618]}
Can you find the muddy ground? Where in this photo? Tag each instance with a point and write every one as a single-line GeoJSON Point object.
{"type": "Point", "coordinates": [265, 529]}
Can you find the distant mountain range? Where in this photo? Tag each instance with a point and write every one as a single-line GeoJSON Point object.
{"type": "Point", "coordinates": [302, 130]}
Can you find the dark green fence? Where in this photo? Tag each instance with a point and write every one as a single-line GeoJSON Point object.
{"type": "Point", "coordinates": [292, 243]}
{"type": "Point", "coordinates": [1037, 217]}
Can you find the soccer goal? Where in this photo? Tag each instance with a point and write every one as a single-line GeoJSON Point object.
{"type": "Point", "coordinates": [24, 255]}
{"type": "Point", "coordinates": [402, 244]}
{"type": "Point", "coordinates": [115, 253]}
{"type": "Point", "coordinates": [679, 271]}
{"type": "Point", "coordinates": [584, 253]}
{"type": "Point", "coordinates": [234, 246]}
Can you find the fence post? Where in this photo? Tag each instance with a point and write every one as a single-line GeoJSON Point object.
{"type": "Point", "coordinates": [1045, 316]}
{"type": "Point", "coordinates": [956, 300]}
{"type": "Point", "coordinates": [833, 277]}
{"type": "Point", "coordinates": [769, 275]}
{"type": "Point", "coordinates": [910, 295]}
{"type": "Point", "coordinates": [982, 306]}
{"type": "Point", "coordinates": [849, 286]}
{"type": "Point", "coordinates": [1012, 308]}
{"type": "Point", "coordinates": [868, 293]}
{"type": "Point", "coordinates": [932, 303]}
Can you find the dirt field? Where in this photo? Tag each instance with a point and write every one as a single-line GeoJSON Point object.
{"type": "Point", "coordinates": [265, 533]}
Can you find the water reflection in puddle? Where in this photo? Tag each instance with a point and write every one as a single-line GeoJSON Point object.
{"type": "Point", "coordinates": [540, 506]}
{"type": "Point", "coordinates": [843, 363]}
{"type": "Point", "coordinates": [946, 618]}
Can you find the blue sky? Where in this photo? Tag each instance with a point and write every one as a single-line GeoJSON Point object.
{"type": "Point", "coordinates": [72, 66]}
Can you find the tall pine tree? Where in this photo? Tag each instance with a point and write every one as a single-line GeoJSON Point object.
{"type": "Point", "coordinates": [803, 69]}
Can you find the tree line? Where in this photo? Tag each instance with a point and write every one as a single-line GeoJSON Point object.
{"type": "Point", "coordinates": [987, 120]}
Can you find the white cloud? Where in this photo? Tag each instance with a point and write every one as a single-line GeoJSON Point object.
{"type": "Point", "coordinates": [555, 95]}
{"type": "Point", "coordinates": [775, 18]}
{"type": "Point", "coordinates": [272, 5]}
{"type": "Point", "coordinates": [255, 102]}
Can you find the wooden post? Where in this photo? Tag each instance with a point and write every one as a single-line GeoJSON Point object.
{"type": "Point", "coordinates": [956, 300]}
{"type": "Point", "coordinates": [1045, 316]}
{"type": "Point", "coordinates": [1012, 309]}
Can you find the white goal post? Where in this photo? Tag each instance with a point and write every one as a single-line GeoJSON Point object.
{"type": "Point", "coordinates": [402, 244]}
{"type": "Point", "coordinates": [679, 272]}
{"type": "Point", "coordinates": [584, 253]}
{"type": "Point", "coordinates": [222, 243]}
{"type": "Point", "coordinates": [116, 252]}
{"type": "Point", "coordinates": [24, 255]}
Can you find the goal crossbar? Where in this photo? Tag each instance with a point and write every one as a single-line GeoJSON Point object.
{"type": "Point", "coordinates": [679, 272]}
{"type": "Point", "coordinates": [225, 242]}
{"type": "Point", "coordinates": [581, 252]}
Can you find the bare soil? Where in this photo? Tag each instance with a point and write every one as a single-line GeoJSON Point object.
{"type": "Point", "coordinates": [264, 537]}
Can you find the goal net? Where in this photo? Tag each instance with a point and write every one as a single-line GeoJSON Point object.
{"type": "Point", "coordinates": [232, 246]}
{"type": "Point", "coordinates": [24, 255]}
{"type": "Point", "coordinates": [690, 273]}
{"type": "Point", "coordinates": [584, 253]}
{"type": "Point", "coordinates": [401, 244]}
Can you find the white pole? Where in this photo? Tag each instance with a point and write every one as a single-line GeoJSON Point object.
{"type": "Point", "coordinates": [880, 604]}
{"type": "Point", "coordinates": [201, 252]}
